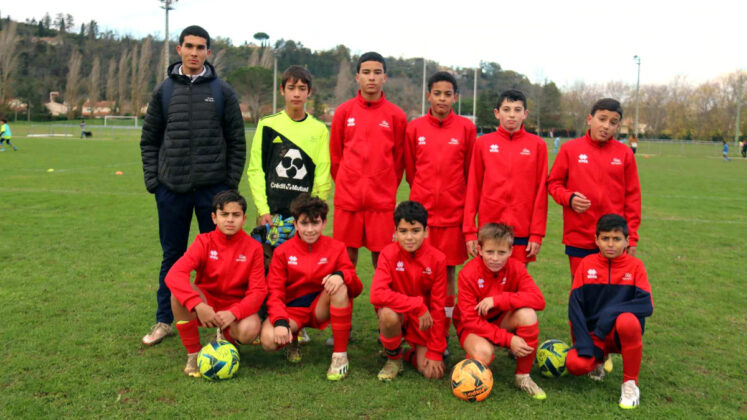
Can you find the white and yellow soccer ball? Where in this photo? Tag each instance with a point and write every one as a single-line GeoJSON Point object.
{"type": "Point", "coordinates": [219, 359]}
{"type": "Point", "coordinates": [551, 358]}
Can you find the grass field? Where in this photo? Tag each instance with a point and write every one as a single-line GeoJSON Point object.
{"type": "Point", "coordinates": [78, 276]}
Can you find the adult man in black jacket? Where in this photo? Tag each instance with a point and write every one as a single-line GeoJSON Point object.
{"type": "Point", "coordinates": [193, 146]}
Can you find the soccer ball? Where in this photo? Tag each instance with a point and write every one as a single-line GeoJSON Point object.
{"type": "Point", "coordinates": [471, 380]}
{"type": "Point", "coordinates": [551, 358]}
{"type": "Point", "coordinates": [218, 360]}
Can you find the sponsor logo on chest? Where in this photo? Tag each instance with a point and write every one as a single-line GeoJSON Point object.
{"type": "Point", "coordinates": [454, 141]}
{"type": "Point", "coordinates": [427, 271]}
{"type": "Point", "coordinates": [400, 266]}
{"type": "Point", "coordinates": [493, 148]}
{"type": "Point", "coordinates": [384, 124]}
{"type": "Point", "coordinates": [627, 277]}
{"type": "Point", "coordinates": [582, 158]}
{"type": "Point", "coordinates": [421, 141]}
{"type": "Point", "coordinates": [241, 258]}
{"type": "Point", "coordinates": [292, 260]}
{"type": "Point", "coordinates": [351, 122]}
{"type": "Point", "coordinates": [616, 161]}
{"type": "Point", "coordinates": [209, 99]}
{"type": "Point", "coordinates": [591, 274]}
{"type": "Point", "coordinates": [322, 260]}
{"type": "Point", "coordinates": [213, 255]}
{"type": "Point", "coordinates": [525, 152]}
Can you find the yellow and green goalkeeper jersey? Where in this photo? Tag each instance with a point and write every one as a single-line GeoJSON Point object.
{"type": "Point", "coordinates": [288, 158]}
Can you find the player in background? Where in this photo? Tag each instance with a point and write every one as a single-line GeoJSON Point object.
{"type": "Point", "coordinates": [408, 292]}
{"type": "Point", "coordinates": [366, 150]}
{"type": "Point", "coordinates": [229, 285]}
{"type": "Point", "coordinates": [497, 306]}
{"type": "Point", "coordinates": [507, 180]}
{"type": "Point", "coordinates": [5, 134]}
{"type": "Point", "coordinates": [607, 309]}
{"type": "Point", "coordinates": [438, 149]}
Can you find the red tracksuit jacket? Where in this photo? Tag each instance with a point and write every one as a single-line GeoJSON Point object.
{"type": "Point", "coordinates": [511, 288]}
{"type": "Point", "coordinates": [507, 184]}
{"type": "Point", "coordinates": [230, 272]}
{"type": "Point", "coordinates": [297, 269]}
{"type": "Point", "coordinates": [607, 175]}
{"type": "Point", "coordinates": [603, 289]}
{"type": "Point", "coordinates": [437, 157]}
{"type": "Point", "coordinates": [405, 282]}
{"type": "Point", "coordinates": [366, 149]}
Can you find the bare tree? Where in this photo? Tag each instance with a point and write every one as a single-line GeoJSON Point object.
{"type": "Point", "coordinates": [576, 103]}
{"type": "Point", "coordinates": [344, 85]}
{"type": "Point", "coordinates": [123, 82]}
{"type": "Point", "coordinates": [8, 58]}
{"type": "Point", "coordinates": [72, 87]}
{"type": "Point", "coordinates": [140, 73]}
{"type": "Point", "coordinates": [219, 61]}
{"type": "Point", "coordinates": [267, 58]}
{"type": "Point", "coordinates": [94, 84]}
{"type": "Point", "coordinates": [111, 81]}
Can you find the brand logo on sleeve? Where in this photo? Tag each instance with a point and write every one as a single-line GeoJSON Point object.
{"type": "Point", "coordinates": [591, 274]}
{"type": "Point", "coordinates": [480, 283]}
{"type": "Point", "coordinates": [292, 260]}
{"type": "Point", "coordinates": [493, 148]}
{"type": "Point", "coordinates": [616, 161]}
{"type": "Point", "coordinates": [582, 158]}
{"type": "Point", "coordinates": [351, 122]}
{"type": "Point", "coordinates": [213, 255]}
{"type": "Point", "coordinates": [454, 141]}
{"type": "Point", "coordinates": [241, 258]}
{"type": "Point", "coordinates": [322, 260]}
{"type": "Point", "coordinates": [400, 266]}
{"type": "Point", "coordinates": [525, 152]}
{"type": "Point", "coordinates": [421, 141]}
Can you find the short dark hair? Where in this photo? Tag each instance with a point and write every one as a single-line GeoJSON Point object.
{"type": "Point", "coordinates": [612, 223]}
{"type": "Point", "coordinates": [309, 205]}
{"type": "Point", "coordinates": [442, 76]}
{"type": "Point", "coordinates": [370, 56]}
{"type": "Point", "coordinates": [512, 95]}
{"type": "Point", "coordinates": [410, 211]}
{"type": "Point", "coordinates": [228, 196]}
{"type": "Point", "coordinates": [495, 232]}
{"type": "Point", "coordinates": [195, 31]}
{"type": "Point", "coordinates": [297, 73]}
{"type": "Point", "coordinates": [607, 104]}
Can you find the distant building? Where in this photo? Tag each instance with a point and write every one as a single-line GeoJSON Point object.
{"type": "Point", "coordinates": [55, 108]}
{"type": "Point", "coordinates": [100, 109]}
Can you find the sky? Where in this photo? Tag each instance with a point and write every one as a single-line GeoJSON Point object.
{"type": "Point", "coordinates": [561, 41]}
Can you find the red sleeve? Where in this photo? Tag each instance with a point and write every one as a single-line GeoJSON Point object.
{"type": "Point", "coordinates": [276, 279]}
{"type": "Point", "coordinates": [632, 198]}
{"type": "Point", "coordinates": [382, 294]}
{"type": "Point", "coordinates": [256, 290]}
{"type": "Point", "coordinates": [471, 137]}
{"type": "Point", "coordinates": [177, 278]}
{"type": "Point", "coordinates": [538, 222]}
{"type": "Point", "coordinates": [349, 276]}
{"type": "Point", "coordinates": [400, 125]}
{"type": "Point", "coordinates": [437, 341]}
{"type": "Point", "coordinates": [472, 198]}
{"type": "Point", "coordinates": [558, 179]}
{"type": "Point", "coordinates": [410, 154]}
{"type": "Point", "coordinates": [470, 319]}
{"type": "Point", "coordinates": [527, 295]}
{"type": "Point", "coordinates": [336, 141]}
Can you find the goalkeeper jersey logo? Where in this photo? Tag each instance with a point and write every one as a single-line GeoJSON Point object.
{"type": "Point", "coordinates": [291, 165]}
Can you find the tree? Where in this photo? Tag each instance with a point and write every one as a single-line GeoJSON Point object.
{"type": "Point", "coordinates": [576, 104]}
{"type": "Point", "coordinates": [344, 86]}
{"type": "Point", "coordinates": [550, 111]}
{"type": "Point", "coordinates": [111, 80]}
{"type": "Point", "coordinates": [262, 38]}
{"type": "Point", "coordinates": [8, 58]}
{"type": "Point", "coordinates": [93, 30]}
{"type": "Point", "coordinates": [254, 86]}
{"type": "Point", "coordinates": [219, 61]}
{"type": "Point", "coordinates": [123, 82]}
{"type": "Point", "coordinates": [72, 86]}
{"type": "Point", "coordinates": [60, 23]}
{"type": "Point", "coordinates": [94, 83]}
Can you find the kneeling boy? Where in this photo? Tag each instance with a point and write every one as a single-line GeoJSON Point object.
{"type": "Point", "coordinates": [312, 283]}
{"type": "Point", "coordinates": [229, 286]}
{"type": "Point", "coordinates": [408, 291]}
{"type": "Point", "coordinates": [610, 300]}
{"type": "Point", "coordinates": [496, 305]}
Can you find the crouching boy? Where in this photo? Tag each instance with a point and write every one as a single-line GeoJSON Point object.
{"type": "Point", "coordinates": [311, 283]}
{"type": "Point", "coordinates": [229, 286]}
{"type": "Point", "coordinates": [496, 305]}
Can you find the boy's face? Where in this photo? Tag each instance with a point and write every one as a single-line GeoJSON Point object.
{"type": "Point", "coordinates": [511, 115]}
{"type": "Point", "coordinates": [230, 219]}
{"type": "Point", "coordinates": [603, 124]}
{"type": "Point", "coordinates": [410, 235]}
{"type": "Point", "coordinates": [611, 244]}
{"type": "Point", "coordinates": [309, 230]}
{"type": "Point", "coordinates": [371, 77]}
{"type": "Point", "coordinates": [295, 93]}
{"type": "Point", "coordinates": [442, 98]}
{"type": "Point", "coordinates": [495, 254]}
{"type": "Point", "coordinates": [194, 52]}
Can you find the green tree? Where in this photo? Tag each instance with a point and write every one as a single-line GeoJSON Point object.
{"type": "Point", "coordinates": [254, 87]}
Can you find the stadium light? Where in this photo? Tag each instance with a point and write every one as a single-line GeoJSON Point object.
{"type": "Point", "coordinates": [166, 6]}
{"type": "Point", "coordinates": [637, 60]}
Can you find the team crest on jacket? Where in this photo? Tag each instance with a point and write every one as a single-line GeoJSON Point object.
{"type": "Point", "coordinates": [292, 260]}
{"type": "Point", "coordinates": [427, 271]}
{"type": "Point", "coordinates": [421, 141]}
{"type": "Point", "coordinates": [480, 283]}
{"type": "Point", "coordinates": [241, 258]}
{"type": "Point", "coordinates": [525, 152]}
{"type": "Point", "coordinates": [582, 158]}
{"type": "Point", "coordinates": [591, 274]}
{"type": "Point", "coordinates": [322, 260]}
{"type": "Point", "coordinates": [400, 266]}
{"type": "Point", "coordinates": [627, 277]}
{"type": "Point", "coordinates": [213, 254]}
{"type": "Point", "coordinates": [384, 124]}
{"type": "Point", "coordinates": [454, 141]}
{"type": "Point", "coordinates": [616, 161]}
{"type": "Point", "coordinates": [493, 148]}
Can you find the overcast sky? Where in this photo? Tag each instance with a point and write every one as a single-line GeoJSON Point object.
{"type": "Point", "coordinates": [563, 41]}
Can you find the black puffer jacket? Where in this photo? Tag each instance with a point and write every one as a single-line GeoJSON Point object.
{"type": "Point", "coordinates": [193, 149]}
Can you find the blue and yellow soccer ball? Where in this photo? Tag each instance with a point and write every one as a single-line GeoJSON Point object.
{"type": "Point", "coordinates": [551, 358]}
{"type": "Point", "coordinates": [471, 380]}
{"type": "Point", "coordinates": [219, 359]}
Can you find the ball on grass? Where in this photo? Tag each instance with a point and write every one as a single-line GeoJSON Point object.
{"type": "Point", "coordinates": [471, 380]}
{"type": "Point", "coordinates": [550, 358]}
{"type": "Point", "coordinates": [219, 359]}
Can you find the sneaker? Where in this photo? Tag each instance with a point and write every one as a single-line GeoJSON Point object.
{"type": "Point", "coordinates": [526, 384]}
{"type": "Point", "coordinates": [256, 341]}
{"type": "Point", "coordinates": [293, 352]}
{"type": "Point", "coordinates": [159, 331]}
{"type": "Point", "coordinates": [303, 336]}
{"type": "Point", "coordinates": [338, 369]}
{"type": "Point", "coordinates": [608, 364]}
{"type": "Point", "coordinates": [598, 373]}
{"type": "Point", "coordinates": [191, 369]}
{"type": "Point", "coordinates": [630, 396]}
{"type": "Point", "coordinates": [391, 369]}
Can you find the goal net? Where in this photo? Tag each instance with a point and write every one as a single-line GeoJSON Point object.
{"type": "Point", "coordinates": [120, 121]}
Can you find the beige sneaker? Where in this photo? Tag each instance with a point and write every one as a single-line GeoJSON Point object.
{"type": "Point", "coordinates": [159, 331]}
{"type": "Point", "coordinates": [191, 369]}
{"type": "Point", "coordinates": [598, 373]}
{"type": "Point", "coordinates": [338, 369]}
{"type": "Point", "coordinates": [630, 396]}
{"type": "Point", "coordinates": [303, 336]}
{"type": "Point", "coordinates": [391, 369]}
{"type": "Point", "coordinates": [526, 384]}
{"type": "Point", "coordinates": [293, 352]}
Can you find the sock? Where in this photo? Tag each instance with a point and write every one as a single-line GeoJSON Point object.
{"type": "Point", "coordinates": [449, 310]}
{"type": "Point", "coordinates": [530, 334]}
{"type": "Point", "coordinates": [227, 335]}
{"type": "Point", "coordinates": [392, 346]}
{"type": "Point", "coordinates": [189, 335]}
{"type": "Point", "coordinates": [411, 357]}
{"type": "Point", "coordinates": [340, 321]}
{"type": "Point", "coordinates": [629, 330]}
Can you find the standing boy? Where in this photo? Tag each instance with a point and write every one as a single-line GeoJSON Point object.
{"type": "Point", "coordinates": [438, 149]}
{"type": "Point", "coordinates": [507, 180]}
{"type": "Point", "coordinates": [5, 135]}
{"type": "Point", "coordinates": [229, 286]}
{"type": "Point", "coordinates": [193, 147]}
{"type": "Point", "coordinates": [592, 176]}
{"type": "Point", "coordinates": [408, 292]}
{"type": "Point", "coordinates": [366, 150]}
{"type": "Point", "coordinates": [312, 283]}
{"type": "Point", "coordinates": [610, 300]}
{"type": "Point", "coordinates": [497, 306]}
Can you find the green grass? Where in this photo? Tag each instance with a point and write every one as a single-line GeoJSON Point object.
{"type": "Point", "coordinates": [78, 277]}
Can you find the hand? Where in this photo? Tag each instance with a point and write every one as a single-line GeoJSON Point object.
{"type": "Point", "coordinates": [206, 315]}
{"type": "Point", "coordinates": [282, 335]}
{"type": "Point", "coordinates": [425, 321]}
{"type": "Point", "coordinates": [533, 248]}
{"type": "Point", "coordinates": [265, 219]}
{"type": "Point", "coordinates": [631, 251]}
{"type": "Point", "coordinates": [485, 306]}
{"type": "Point", "coordinates": [224, 319]}
{"type": "Point", "coordinates": [332, 283]}
{"type": "Point", "coordinates": [519, 347]}
{"type": "Point", "coordinates": [580, 203]}
{"type": "Point", "coordinates": [433, 369]}
{"type": "Point", "coordinates": [472, 248]}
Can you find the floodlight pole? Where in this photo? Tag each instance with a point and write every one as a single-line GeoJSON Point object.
{"type": "Point", "coordinates": [166, 7]}
{"type": "Point", "coordinates": [637, 60]}
{"type": "Point", "coordinates": [737, 133]}
{"type": "Point", "coordinates": [474, 98]}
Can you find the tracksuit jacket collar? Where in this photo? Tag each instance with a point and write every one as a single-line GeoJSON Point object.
{"type": "Point", "coordinates": [510, 136]}
{"type": "Point", "coordinates": [600, 144]}
{"type": "Point", "coordinates": [370, 104]}
{"type": "Point", "coordinates": [439, 123]}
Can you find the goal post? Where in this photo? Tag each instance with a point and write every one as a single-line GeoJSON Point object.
{"type": "Point", "coordinates": [120, 121]}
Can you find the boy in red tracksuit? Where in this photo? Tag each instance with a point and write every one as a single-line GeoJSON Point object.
{"type": "Point", "coordinates": [592, 176]}
{"type": "Point", "coordinates": [408, 292]}
{"type": "Point", "coordinates": [507, 180]}
{"type": "Point", "coordinates": [366, 148]}
{"type": "Point", "coordinates": [608, 305]}
{"type": "Point", "coordinates": [497, 306]}
{"type": "Point", "coordinates": [312, 283]}
{"type": "Point", "coordinates": [229, 286]}
{"type": "Point", "coordinates": [438, 149]}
